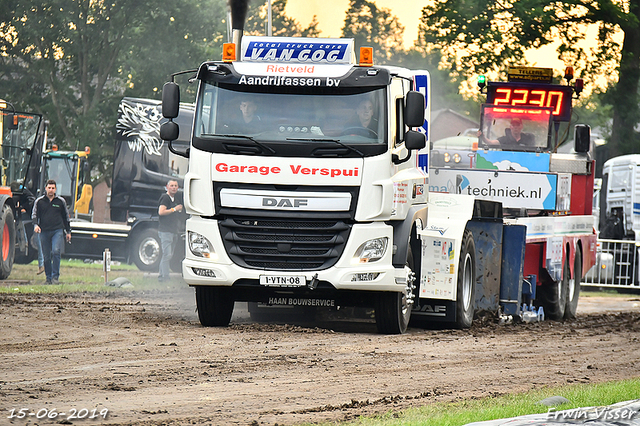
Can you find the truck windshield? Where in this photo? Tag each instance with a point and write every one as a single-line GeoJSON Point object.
{"type": "Point", "coordinates": [353, 116]}
{"type": "Point", "coordinates": [517, 129]}
{"type": "Point", "coordinates": [16, 146]}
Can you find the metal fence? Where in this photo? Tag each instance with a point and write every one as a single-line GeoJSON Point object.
{"type": "Point", "coordinates": [617, 265]}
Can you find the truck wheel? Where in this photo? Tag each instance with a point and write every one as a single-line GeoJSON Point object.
{"type": "Point", "coordinates": [393, 310]}
{"type": "Point", "coordinates": [146, 251]}
{"type": "Point", "coordinates": [553, 297]}
{"type": "Point", "coordinates": [466, 293]}
{"type": "Point", "coordinates": [215, 306]}
{"type": "Point", "coordinates": [7, 242]}
{"type": "Point", "coordinates": [573, 292]}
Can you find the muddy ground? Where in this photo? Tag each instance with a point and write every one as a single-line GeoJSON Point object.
{"type": "Point", "coordinates": [145, 358]}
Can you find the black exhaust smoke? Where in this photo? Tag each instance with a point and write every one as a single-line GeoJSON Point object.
{"type": "Point", "coordinates": [239, 10]}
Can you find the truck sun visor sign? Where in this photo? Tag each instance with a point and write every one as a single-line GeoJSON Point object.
{"type": "Point", "coordinates": [297, 50]}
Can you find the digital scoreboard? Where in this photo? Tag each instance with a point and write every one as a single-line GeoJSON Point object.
{"type": "Point", "coordinates": [517, 94]}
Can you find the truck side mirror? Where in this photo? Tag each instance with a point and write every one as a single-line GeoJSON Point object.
{"type": "Point", "coordinates": [169, 131]}
{"type": "Point", "coordinates": [582, 138]}
{"type": "Point", "coordinates": [414, 109]}
{"type": "Point", "coordinates": [415, 140]}
{"type": "Point", "coordinates": [170, 100]}
{"type": "Point", "coordinates": [412, 141]}
{"type": "Point", "coordinates": [11, 121]}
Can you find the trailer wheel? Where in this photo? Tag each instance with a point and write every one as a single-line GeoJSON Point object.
{"type": "Point", "coordinates": [573, 292]}
{"type": "Point", "coordinates": [553, 296]}
{"type": "Point", "coordinates": [146, 251]}
{"type": "Point", "coordinates": [393, 309]}
{"type": "Point", "coordinates": [466, 293]}
{"type": "Point", "coordinates": [215, 306]}
{"type": "Point", "coordinates": [7, 242]}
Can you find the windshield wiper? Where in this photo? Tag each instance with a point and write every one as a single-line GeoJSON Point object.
{"type": "Point", "coordinates": [249, 138]}
{"type": "Point", "coordinates": [336, 141]}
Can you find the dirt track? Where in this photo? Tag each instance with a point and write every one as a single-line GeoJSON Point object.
{"type": "Point", "coordinates": [147, 360]}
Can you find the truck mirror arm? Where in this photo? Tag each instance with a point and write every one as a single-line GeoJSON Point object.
{"type": "Point", "coordinates": [397, 160]}
{"type": "Point", "coordinates": [413, 141]}
{"type": "Point", "coordinates": [184, 154]}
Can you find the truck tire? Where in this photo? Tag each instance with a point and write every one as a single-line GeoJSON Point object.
{"type": "Point", "coordinates": [553, 296]}
{"type": "Point", "coordinates": [573, 291]}
{"type": "Point", "coordinates": [146, 251]}
{"type": "Point", "coordinates": [393, 310]}
{"type": "Point", "coordinates": [7, 242]}
{"type": "Point", "coordinates": [215, 306]}
{"type": "Point", "coordinates": [466, 288]}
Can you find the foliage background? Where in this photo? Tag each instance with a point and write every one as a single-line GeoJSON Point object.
{"type": "Point", "coordinates": [73, 60]}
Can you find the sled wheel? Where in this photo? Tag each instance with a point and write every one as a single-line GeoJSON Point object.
{"type": "Point", "coordinates": [553, 296]}
{"type": "Point", "coordinates": [573, 292]}
{"type": "Point", "coordinates": [466, 289]}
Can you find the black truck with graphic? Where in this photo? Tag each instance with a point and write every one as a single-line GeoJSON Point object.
{"type": "Point", "coordinates": [142, 165]}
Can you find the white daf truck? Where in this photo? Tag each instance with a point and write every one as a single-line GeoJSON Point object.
{"type": "Point", "coordinates": [620, 198]}
{"type": "Point", "coordinates": [305, 188]}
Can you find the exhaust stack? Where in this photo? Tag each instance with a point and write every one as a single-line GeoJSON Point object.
{"type": "Point", "coordinates": [239, 10]}
{"type": "Point", "coordinates": [236, 38]}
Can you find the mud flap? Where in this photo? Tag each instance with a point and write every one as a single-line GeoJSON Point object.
{"type": "Point", "coordinates": [513, 247]}
{"type": "Point", "coordinates": [487, 236]}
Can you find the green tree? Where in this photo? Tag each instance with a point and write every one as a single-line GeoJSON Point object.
{"type": "Point", "coordinates": [176, 38]}
{"type": "Point", "coordinates": [476, 37]}
{"type": "Point", "coordinates": [73, 60]}
{"type": "Point", "coordinates": [375, 27]}
{"type": "Point", "coordinates": [445, 82]}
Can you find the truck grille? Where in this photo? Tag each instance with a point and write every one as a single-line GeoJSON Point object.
{"type": "Point", "coordinates": [287, 245]}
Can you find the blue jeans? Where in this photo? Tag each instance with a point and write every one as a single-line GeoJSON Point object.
{"type": "Point", "coordinates": [52, 244]}
{"type": "Point", "coordinates": [40, 255]}
{"type": "Point", "coordinates": [167, 241]}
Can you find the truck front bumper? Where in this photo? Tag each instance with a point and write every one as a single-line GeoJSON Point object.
{"type": "Point", "coordinates": [347, 274]}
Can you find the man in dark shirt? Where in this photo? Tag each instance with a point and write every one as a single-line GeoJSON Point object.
{"type": "Point", "coordinates": [514, 137]}
{"type": "Point", "coordinates": [250, 122]}
{"type": "Point", "coordinates": [363, 123]}
{"type": "Point", "coordinates": [170, 222]}
{"type": "Point", "coordinates": [51, 220]}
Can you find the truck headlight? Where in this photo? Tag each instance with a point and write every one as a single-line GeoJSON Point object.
{"type": "Point", "coordinates": [200, 246]}
{"type": "Point", "coordinates": [371, 250]}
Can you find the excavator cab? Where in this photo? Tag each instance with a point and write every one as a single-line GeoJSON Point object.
{"type": "Point", "coordinates": [70, 170]}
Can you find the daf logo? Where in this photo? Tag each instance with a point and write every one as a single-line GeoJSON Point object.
{"type": "Point", "coordinates": [432, 310]}
{"type": "Point", "coordinates": [284, 202]}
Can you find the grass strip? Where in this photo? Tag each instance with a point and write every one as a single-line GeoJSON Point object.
{"type": "Point", "coordinates": [505, 406]}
